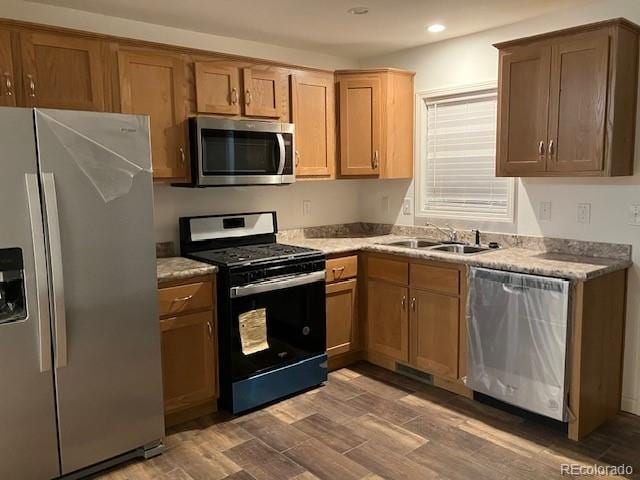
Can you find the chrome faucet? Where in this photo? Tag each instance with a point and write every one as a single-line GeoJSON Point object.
{"type": "Point", "coordinates": [450, 232]}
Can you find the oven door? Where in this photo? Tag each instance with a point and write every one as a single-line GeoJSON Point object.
{"type": "Point", "coordinates": [293, 310]}
{"type": "Point", "coordinates": [238, 152]}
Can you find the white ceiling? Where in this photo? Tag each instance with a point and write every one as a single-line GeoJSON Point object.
{"type": "Point", "coordinates": [324, 25]}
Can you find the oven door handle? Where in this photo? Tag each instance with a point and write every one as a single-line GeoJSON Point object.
{"type": "Point", "coordinates": [282, 153]}
{"type": "Point", "coordinates": [279, 284]}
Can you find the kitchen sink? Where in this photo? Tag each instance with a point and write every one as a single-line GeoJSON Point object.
{"type": "Point", "coordinates": [439, 246]}
{"type": "Point", "coordinates": [461, 249]}
{"type": "Point", "coordinates": [414, 243]}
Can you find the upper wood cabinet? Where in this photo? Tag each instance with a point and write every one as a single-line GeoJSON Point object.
{"type": "Point", "coordinates": [62, 71]}
{"type": "Point", "coordinates": [154, 85]}
{"type": "Point", "coordinates": [217, 88]}
{"type": "Point", "coordinates": [313, 113]}
{"type": "Point", "coordinates": [228, 87]}
{"type": "Point", "coordinates": [567, 102]}
{"type": "Point", "coordinates": [376, 123]}
{"type": "Point", "coordinates": [7, 82]}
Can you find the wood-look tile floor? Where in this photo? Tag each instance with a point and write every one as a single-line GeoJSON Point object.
{"type": "Point", "coordinates": [369, 423]}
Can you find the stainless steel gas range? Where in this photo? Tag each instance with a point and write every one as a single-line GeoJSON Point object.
{"type": "Point", "coordinates": [271, 307]}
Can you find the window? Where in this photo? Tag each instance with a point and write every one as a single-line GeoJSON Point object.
{"type": "Point", "coordinates": [457, 158]}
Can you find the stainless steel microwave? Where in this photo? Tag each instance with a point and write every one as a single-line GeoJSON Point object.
{"type": "Point", "coordinates": [240, 152]}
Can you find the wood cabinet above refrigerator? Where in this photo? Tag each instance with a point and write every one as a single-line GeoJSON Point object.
{"type": "Point", "coordinates": [567, 102]}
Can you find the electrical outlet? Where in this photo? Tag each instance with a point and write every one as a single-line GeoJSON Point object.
{"type": "Point", "coordinates": [584, 213]}
{"type": "Point", "coordinates": [306, 208]}
{"type": "Point", "coordinates": [384, 204]}
{"type": "Point", "coordinates": [406, 206]}
{"type": "Point", "coordinates": [634, 215]}
{"type": "Point", "coordinates": [544, 211]}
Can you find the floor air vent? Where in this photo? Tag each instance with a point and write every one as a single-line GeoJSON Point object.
{"type": "Point", "coordinates": [415, 374]}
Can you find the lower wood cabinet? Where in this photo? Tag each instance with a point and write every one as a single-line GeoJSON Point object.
{"type": "Point", "coordinates": [434, 326]}
{"type": "Point", "coordinates": [341, 317]}
{"type": "Point", "coordinates": [415, 315]}
{"type": "Point", "coordinates": [188, 367]}
{"type": "Point", "coordinates": [343, 331]}
{"type": "Point", "coordinates": [388, 319]}
{"type": "Point", "coordinates": [189, 348]}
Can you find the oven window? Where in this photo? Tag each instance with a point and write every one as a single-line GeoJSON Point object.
{"type": "Point", "coordinates": [295, 328]}
{"type": "Point", "coordinates": [230, 152]}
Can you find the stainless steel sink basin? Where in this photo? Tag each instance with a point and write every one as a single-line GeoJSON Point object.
{"type": "Point", "coordinates": [414, 243]}
{"type": "Point", "coordinates": [461, 249]}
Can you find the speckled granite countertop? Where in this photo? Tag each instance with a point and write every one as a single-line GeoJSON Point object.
{"type": "Point", "coordinates": [513, 259]}
{"type": "Point", "coordinates": [180, 268]}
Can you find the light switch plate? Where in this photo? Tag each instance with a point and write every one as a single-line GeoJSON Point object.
{"type": "Point", "coordinates": [544, 211]}
{"type": "Point", "coordinates": [306, 208]}
{"type": "Point", "coordinates": [584, 213]}
{"type": "Point", "coordinates": [634, 215]}
{"type": "Point", "coordinates": [406, 206]}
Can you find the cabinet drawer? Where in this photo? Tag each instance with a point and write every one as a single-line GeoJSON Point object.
{"type": "Point", "coordinates": [395, 271]}
{"type": "Point", "coordinates": [185, 298]}
{"type": "Point", "coordinates": [436, 279]}
{"type": "Point", "coordinates": [342, 268]}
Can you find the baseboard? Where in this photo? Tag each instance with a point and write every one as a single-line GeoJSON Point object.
{"type": "Point", "coordinates": [630, 405]}
{"type": "Point", "coordinates": [343, 360]}
{"type": "Point", "coordinates": [191, 413]}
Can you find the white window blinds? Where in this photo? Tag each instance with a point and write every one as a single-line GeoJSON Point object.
{"type": "Point", "coordinates": [458, 162]}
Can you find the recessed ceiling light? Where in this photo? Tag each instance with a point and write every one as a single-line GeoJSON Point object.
{"type": "Point", "coordinates": [435, 28]}
{"type": "Point", "coordinates": [358, 10]}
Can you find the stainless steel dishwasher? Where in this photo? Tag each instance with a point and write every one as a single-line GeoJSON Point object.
{"type": "Point", "coordinates": [518, 331]}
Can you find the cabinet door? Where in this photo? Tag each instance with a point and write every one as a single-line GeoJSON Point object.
{"type": "Point", "coordinates": [217, 88]}
{"type": "Point", "coordinates": [263, 92]}
{"type": "Point", "coordinates": [341, 317]}
{"type": "Point", "coordinates": [434, 328]}
{"type": "Point", "coordinates": [360, 126]}
{"type": "Point", "coordinates": [188, 360]}
{"type": "Point", "coordinates": [388, 321]}
{"type": "Point", "coordinates": [7, 87]}
{"type": "Point", "coordinates": [523, 110]}
{"type": "Point", "coordinates": [577, 111]}
{"type": "Point", "coordinates": [62, 71]}
{"type": "Point", "coordinates": [313, 114]}
{"type": "Point", "coordinates": [154, 85]}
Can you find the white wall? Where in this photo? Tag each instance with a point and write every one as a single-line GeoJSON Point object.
{"type": "Point", "coordinates": [472, 59]}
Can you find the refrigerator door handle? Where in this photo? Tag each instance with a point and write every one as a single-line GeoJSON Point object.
{"type": "Point", "coordinates": [40, 261]}
{"type": "Point", "coordinates": [57, 281]}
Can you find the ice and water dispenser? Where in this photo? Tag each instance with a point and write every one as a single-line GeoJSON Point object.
{"type": "Point", "coordinates": [12, 296]}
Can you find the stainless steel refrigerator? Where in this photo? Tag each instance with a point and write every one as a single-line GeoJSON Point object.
{"type": "Point", "coordinates": [80, 370]}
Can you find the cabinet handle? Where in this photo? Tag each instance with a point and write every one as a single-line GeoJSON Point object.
{"type": "Point", "coordinates": [8, 84]}
{"type": "Point", "coordinates": [32, 86]}
{"type": "Point", "coordinates": [404, 302]}
{"type": "Point", "coordinates": [297, 158]}
{"type": "Point", "coordinates": [413, 304]}
{"type": "Point", "coordinates": [210, 329]}
{"type": "Point", "coordinates": [338, 271]}
{"type": "Point", "coordinates": [182, 156]}
{"type": "Point", "coordinates": [234, 96]}
{"type": "Point", "coordinates": [551, 149]}
{"type": "Point", "coordinates": [182, 299]}
{"type": "Point", "coordinates": [374, 161]}
{"type": "Point", "coordinates": [541, 148]}
{"type": "Point", "coordinates": [247, 97]}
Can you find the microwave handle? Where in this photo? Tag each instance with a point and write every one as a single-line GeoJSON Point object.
{"type": "Point", "coordinates": [282, 153]}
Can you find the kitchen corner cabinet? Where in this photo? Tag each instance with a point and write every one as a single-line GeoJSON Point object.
{"type": "Point", "coordinates": [567, 102]}
{"type": "Point", "coordinates": [375, 123]}
{"type": "Point", "coordinates": [342, 311]}
{"type": "Point", "coordinates": [7, 82]}
{"type": "Point", "coordinates": [416, 316]}
{"type": "Point", "coordinates": [313, 113]}
{"type": "Point", "coordinates": [189, 348]}
{"type": "Point", "coordinates": [153, 84]}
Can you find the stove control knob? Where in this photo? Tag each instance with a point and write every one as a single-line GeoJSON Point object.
{"type": "Point", "coordinates": [306, 331]}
